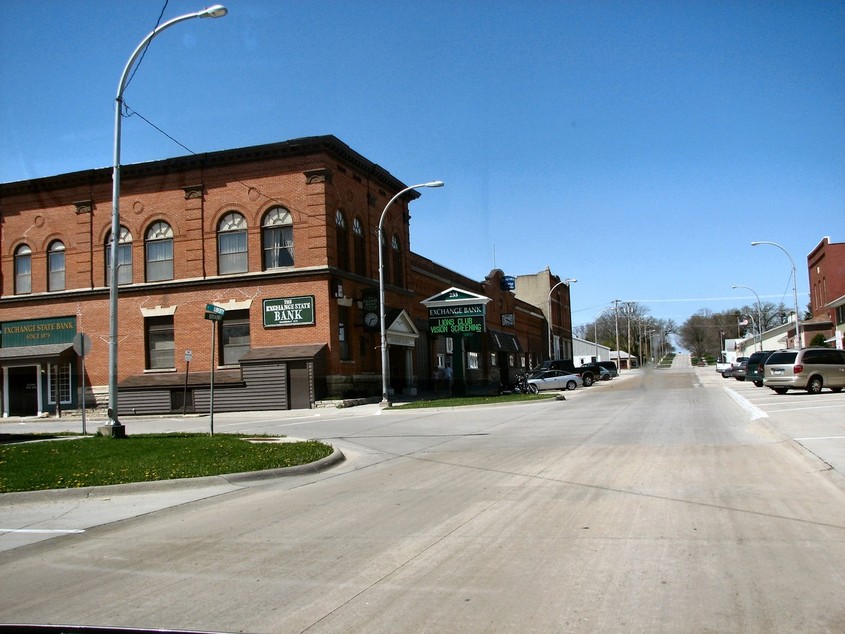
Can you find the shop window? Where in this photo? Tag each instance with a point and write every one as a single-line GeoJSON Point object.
{"type": "Point", "coordinates": [360, 247]}
{"type": "Point", "coordinates": [159, 245]}
{"type": "Point", "coordinates": [56, 266]}
{"type": "Point", "coordinates": [59, 376]}
{"type": "Point", "coordinates": [472, 360]}
{"type": "Point", "coordinates": [277, 238]}
{"type": "Point", "coordinates": [342, 240]}
{"type": "Point", "coordinates": [124, 258]}
{"type": "Point", "coordinates": [23, 270]}
{"type": "Point", "coordinates": [493, 361]}
{"type": "Point", "coordinates": [234, 336]}
{"type": "Point", "coordinates": [396, 251]}
{"type": "Point", "coordinates": [232, 245]}
{"type": "Point", "coordinates": [160, 343]}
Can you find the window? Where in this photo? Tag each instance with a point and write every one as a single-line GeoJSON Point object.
{"type": "Point", "coordinates": [396, 250]}
{"type": "Point", "coordinates": [277, 238]}
{"type": "Point", "coordinates": [472, 360]}
{"type": "Point", "coordinates": [234, 336]}
{"type": "Point", "coordinates": [343, 332]}
{"type": "Point", "coordinates": [160, 344]}
{"type": "Point", "coordinates": [360, 245]}
{"type": "Point", "coordinates": [23, 270]}
{"type": "Point", "coordinates": [440, 360]}
{"type": "Point", "coordinates": [159, 245]}
{"type": "Point", "coordinates": [56, 266]}
{"type": "Point", "coordinates": [59, 377]}
{"type": "Point", "coordinates": [342, 240]}
{"type": "Point", "coordinates": [231, 244]}
{"type": "Point", "coordinates": [124, 258]}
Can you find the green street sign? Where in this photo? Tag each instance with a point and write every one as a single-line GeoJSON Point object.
{"type": "Point", "coordinates": [211, 308]}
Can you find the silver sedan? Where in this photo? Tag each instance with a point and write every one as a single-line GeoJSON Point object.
{"type": "Point", "coordinates": [555, 380]}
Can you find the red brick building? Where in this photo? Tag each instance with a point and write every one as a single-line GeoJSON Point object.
{"type": "Point", "coordinates": [280, 236]}
{"type": "Point", "coordinates": [826, 269]}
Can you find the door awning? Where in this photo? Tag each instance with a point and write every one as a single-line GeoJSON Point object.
{"type": "Point", "coordinates": [33, 354]}
{"type": "Point", "coordinates": [504, 341]}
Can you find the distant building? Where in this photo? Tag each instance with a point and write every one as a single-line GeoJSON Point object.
{"type": "Point", "coordinates": [826, 270]}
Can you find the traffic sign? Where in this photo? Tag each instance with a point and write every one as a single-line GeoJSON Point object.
{"type": "Point", "coordinates": [211, 308]}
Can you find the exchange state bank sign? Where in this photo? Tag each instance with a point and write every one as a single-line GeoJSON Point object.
{"type": "Point", "coordinates": [289, 311]}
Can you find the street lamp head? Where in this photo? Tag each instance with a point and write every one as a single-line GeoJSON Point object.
{"type": "Point", "coordinates": [570, 280]}
{"type": "Point", "coordinates": [754, 244]}
{"type": "Point", "coordinates": [216, 11]}
{"type": "Point", "coordinates": [434, 184]}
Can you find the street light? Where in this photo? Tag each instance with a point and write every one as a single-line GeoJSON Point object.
{"type": "Point", "coordinates": [794, 289]}
{"type": "Point", "coordinates": [216, 11]}
{"type": "Point", "coordinates": [567, 281]}
{"type": "Point", "coordinates": [759, 311]}
{"type": "Point", "coordinates": [384, 400]}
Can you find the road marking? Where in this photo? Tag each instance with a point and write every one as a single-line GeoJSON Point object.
{"type": "Point", "coordinates": [753, 411]}
{"type": "Point", "coordinates": [41, 530]}
{"type": "Point", "coordinates": [822, 438]}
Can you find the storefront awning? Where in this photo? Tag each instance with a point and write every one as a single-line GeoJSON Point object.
{"type": "Point", "coordinates": [33, 354]}
{"type": "Point", "coordinates": [503, 341]}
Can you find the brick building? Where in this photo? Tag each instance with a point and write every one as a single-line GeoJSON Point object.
{"type": "Point", "coordinates": [826, 269]}
{"type": "Point", "coordinates": [282, 237]}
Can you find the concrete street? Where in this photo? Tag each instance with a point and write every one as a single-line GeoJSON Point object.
{"type": "Point", "coordinates": [662, 501]}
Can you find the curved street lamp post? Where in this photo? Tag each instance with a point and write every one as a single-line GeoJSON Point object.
{"type": "Point", "coordinates": [114, 428]}
{"type": "Point", "coordinates": [794, 289]}
{"type": "Point", "coordinates": [759, 312]}
{"type": "Point", "coordinates": [385, 401]}
{"type": "Point", "coordinates": [567, 282]}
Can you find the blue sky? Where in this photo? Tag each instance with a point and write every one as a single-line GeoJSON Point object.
{"type": "Point", "coordinates": [637, 146]}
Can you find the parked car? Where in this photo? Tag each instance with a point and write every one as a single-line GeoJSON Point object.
{"type": "Point", "coordinates": [611, 367]}
{"type": "Point", "coordinates": [604, 373]}
{"type": "Point", "coordinates": [554, 380]}
{"type": "Point", "coordinates": [589, 373]}
{"type": "Point", "coordinates": [740, 370]}
{"type": "Point", "coordinates": [755, 366]}
{"type": "Point", "coordinates": [808, 369]}
{"type": "Point", "coordinates": [729, 372]}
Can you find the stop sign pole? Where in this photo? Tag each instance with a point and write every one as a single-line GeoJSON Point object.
{"type": "Point", "coordinates": [82, 346]}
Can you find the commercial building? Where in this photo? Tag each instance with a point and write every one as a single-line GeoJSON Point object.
{"type": "Point", "coordinates": [281, 240]}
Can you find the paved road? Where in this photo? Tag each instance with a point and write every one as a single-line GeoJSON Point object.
{"type": "Point", "coordinates": [655, 503]}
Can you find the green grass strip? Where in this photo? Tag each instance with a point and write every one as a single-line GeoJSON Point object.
{"type": "Point", "coordinates": [98, 461]}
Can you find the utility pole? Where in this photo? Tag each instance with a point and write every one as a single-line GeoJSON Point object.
{"type": "Point", "coordinates": [618, 352]}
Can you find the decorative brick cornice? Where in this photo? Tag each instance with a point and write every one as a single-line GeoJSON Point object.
{"type": "Point", "coordinates": [84, 206]}
{"type": "Point", "coordinates": [318, 175]}
{"type": "Point", "coordinates": [193, 191]}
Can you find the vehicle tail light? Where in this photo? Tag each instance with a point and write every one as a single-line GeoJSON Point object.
{"type": "Point", "coordinates": [797, 369]}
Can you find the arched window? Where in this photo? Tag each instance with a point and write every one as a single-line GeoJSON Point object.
{"type": "Point", "coordinates": [277, 238]}
{"type": "Point", "coordinates": [56, 266]}
{"type": "Point", "coordinates": [360, 253]}
{"type": "Point", "coordinates": [23, 270]}
{"type": "Point", "coordinates": [342, 240]}
{"type": "Point", "coordinates": [159, 246]}
{"type": "Point", "coordinates": [124, 257]}
{"type": "Point", "coordinates": [231, 244]}
{"type": "Point", "coordinates": [396, 251]}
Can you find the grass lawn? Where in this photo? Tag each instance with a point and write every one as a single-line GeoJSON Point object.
{"type": "Point", "coordinates": [61, 462]}
{"type": "Point", "coordinates": [459, 401]}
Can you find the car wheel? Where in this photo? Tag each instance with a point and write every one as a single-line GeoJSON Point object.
{"type": "Point", "coordinates": [571, 385]}
{"type": "Point", "coordinates": [779, 390]}
{"type": "Point", "coordinates": [758, 383]}
{"type": "Point", "coordinates": [815, 385]}
{"type": "Point", "coordinates": [588, 380]}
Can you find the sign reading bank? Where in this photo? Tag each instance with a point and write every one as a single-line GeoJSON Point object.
{"type": "Point", "coordinates": [289, 311]}
{"type": "Point", "coordinates": [456, 312]}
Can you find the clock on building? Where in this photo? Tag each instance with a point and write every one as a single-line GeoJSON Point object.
{"type": "Point", "coordinates": [370, 320]}
{"type": "Point", "coordinates": [507, 319]}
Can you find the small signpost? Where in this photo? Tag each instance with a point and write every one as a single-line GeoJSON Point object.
{"type": "Point", "coordinates": [214, 314]}
{"type": "Point", "coordinates": [188, 357]}
{"type": "Point", "coordinates": [82, 346]}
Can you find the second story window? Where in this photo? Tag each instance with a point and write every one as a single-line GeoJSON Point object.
{"type": "Point", "coordinates": [396, 252]}
{"type": "Point", "coordinates": [124, 257]}
{"type": "Point", "coordinates": [342, 241]}
{"type": "Point", "coordinates": [277, 238]}
{"type": "Point", "coordinates": [159, 246]}
{"type": "Point", "coordinates": [56, 266]}
{"type": "Point", "coordinates": [23, 270]}
{"type": "Point", "coordinates": [360, 247]}
{"type": "Point", "coordinates": [231, 244]}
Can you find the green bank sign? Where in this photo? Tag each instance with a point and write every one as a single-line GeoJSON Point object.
{"type": "Point", "coordinates": [36, 332]}
{"type": "Point", "coordinates": [289, 311]}
{"type": "Point", "coordinates": [455, 320]}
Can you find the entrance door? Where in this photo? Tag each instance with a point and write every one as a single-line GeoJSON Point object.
{"type": "Point", "coordinates": [23, 391]}
{"type": "Point", "coordinates": [299, 385]}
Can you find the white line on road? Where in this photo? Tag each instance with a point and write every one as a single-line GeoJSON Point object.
{"type": "Point", "coordinates": [753, 411]}
{"type": "Point", "coordinates": [41, 530]}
